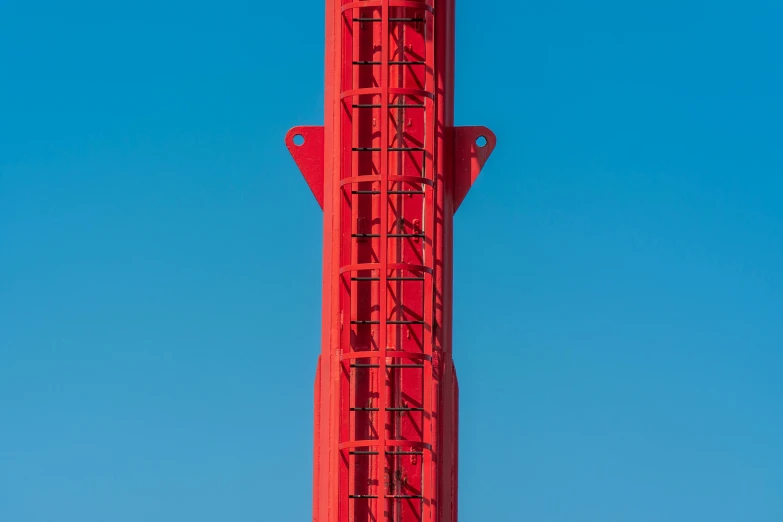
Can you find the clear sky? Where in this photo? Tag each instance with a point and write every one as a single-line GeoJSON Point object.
{"type": "Point", "coordinates": [618, 287]}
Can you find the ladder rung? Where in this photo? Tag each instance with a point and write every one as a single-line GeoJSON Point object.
{"type": "Point", "coordinates": [387, 235]}
{"type": "Point", "coordinates": [391, 106]}
{"type": "Point", "coordinates": [393, 62]}
{"type": "Point", "coordinates": [388, 279]}
{"type": "Point", "coordinates": [405, 496]}
{"type": "Point", "coordinates": [360, 365]}
{"type": "Point", "coordinates": [364, 409]}
{"type": "Point", "coordinates": [392, 192]}
{"type": "Point", "coordinates": [390, 19]}
{"type": "Point", "coordinates": [387, 453]}
{"type": "Point", "coordinates": [404, 409]}
{"type": "Point", "coordinates": [362, 496]}
{"type": "Point", "coordinates": [391, 149]}
{"type": "Point", "coordinates": [387, 322]}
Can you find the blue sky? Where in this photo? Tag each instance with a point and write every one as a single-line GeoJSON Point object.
{"type": "Point", "coordinates": [618, 282]}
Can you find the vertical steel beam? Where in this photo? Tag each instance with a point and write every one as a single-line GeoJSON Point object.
{"type": "Point", "coordinates": [389, 169]}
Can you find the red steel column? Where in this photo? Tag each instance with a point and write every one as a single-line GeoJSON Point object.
{"type": "Point", "coordinates": [389, 169]}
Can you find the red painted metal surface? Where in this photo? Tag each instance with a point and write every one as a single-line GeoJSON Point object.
{"type": "Point", "coordinates": [389, 169]}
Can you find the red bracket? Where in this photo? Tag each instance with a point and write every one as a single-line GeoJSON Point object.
{"type": "Point", "coordinates": [472, 147]}
{"type": "Point", "coordinates": [309, 156]}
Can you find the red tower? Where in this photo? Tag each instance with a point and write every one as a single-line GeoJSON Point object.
{"type": "Point", "coordinates": [389, 169]}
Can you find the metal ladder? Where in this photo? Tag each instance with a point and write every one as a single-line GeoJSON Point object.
{"type": "Point", "coordinates": [387, 193]}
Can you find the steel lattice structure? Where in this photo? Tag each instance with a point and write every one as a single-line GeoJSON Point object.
{"type": "Point", "coordinates": [389, 169]}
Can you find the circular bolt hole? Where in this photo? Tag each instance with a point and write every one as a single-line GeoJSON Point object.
{"type": "Point", "coordinates": [481, 141]}
{"type": "Point", "coordinates": [298, 140]}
